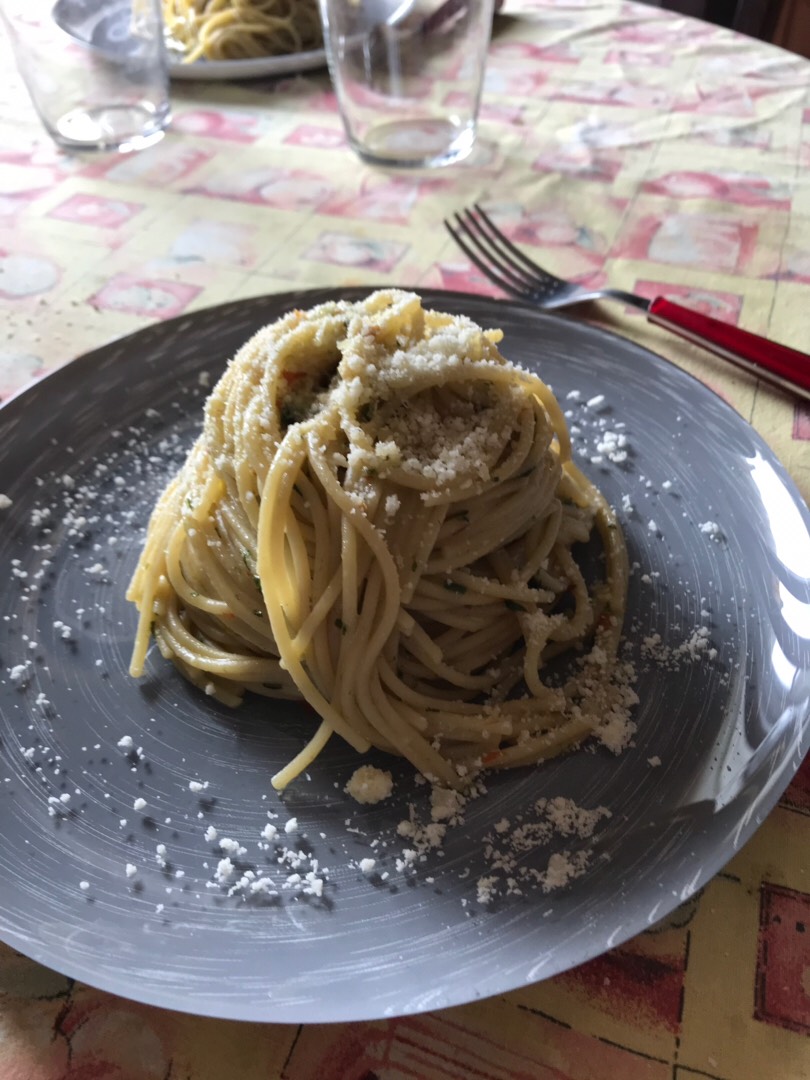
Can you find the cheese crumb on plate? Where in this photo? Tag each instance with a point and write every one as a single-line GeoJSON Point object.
{"type": "Point", "coordinates": [369, 785]}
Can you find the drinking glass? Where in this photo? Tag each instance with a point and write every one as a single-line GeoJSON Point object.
{"type": "Point", "coordinates": [95, 70]}
{"type": "Point", "coordinates": [408, 76]}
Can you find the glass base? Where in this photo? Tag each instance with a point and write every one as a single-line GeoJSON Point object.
{"type": "Point", "coordinates": [121, 128]}
{"type": "Point", "coordinates": [415, 143]}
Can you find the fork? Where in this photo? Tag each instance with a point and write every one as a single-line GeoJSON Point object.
{"type": "Point", "coordinates": [506, 266]}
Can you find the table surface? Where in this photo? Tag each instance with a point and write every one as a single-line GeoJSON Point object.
{"type": "Point", "coordinates": [618, 143]}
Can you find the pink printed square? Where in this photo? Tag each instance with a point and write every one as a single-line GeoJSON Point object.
{"type": "Point", "coordinates": [494, 112]}
{"type": "Point", "coordinates": [524, 54]}
{"type": "Point", "coordinates": [209, 241]}
{"type": "Point", "coordinates": [16, 369]}
{"type": "Point", "coordinates": [662, 33]}
{"type": "Point", "coordinates": [382, 198]}
{"type": "Point", "coordinates": [285, 189]}
{"type": "Point", "coordinates": [797, 796]}
{"type": "Point", "coordinates": [165, 164]}
{"type": "Point", "coordinates": [21, 180]}
{"type": "Point", "coordinates": [464, 277]}
{"type": "Point", "coordinates": [748, 137]}
{"type": "Point", "coordinates": [555, 6]}
{"type": "Point", "coordinates": [343, 249]}
{"type": "Point", "coordinates": [728, 99]}
{"type": "Point", "coordinates": [641, 989]}
{"type": "Point", "coordinates": [43, 156]}
{"type": "Point", "coordinates": [513, 83]}
{"type": "Point", "coordinates": [27, 172]}
{"type": "Point", "coordinates": [219, 124]}
{"type": "Point", "coordinates": [795, 265]}
{"type": "Point", "coordinates": [316, 138]}
{"type": "Point", "coordinates": [442, 1046]}
{"type": "Point", "coordinates": [23, 275]}
{"type": "Point", "coordinates": [783, 961]}
{"type": "Point", "coordinates": [552, 226]}
{"type": "Point", "coordinates": [715, 243]}
{"type": "Point", "coordinates": [321, 101]}
{"type": "Point", "coordinates": [719, 305]}
{"type": "Point", "coordinates": [150, 297]}
{"type": "Point", "coordinates": [584, 162]}
{"type": "Point", "coordinates": [11, 206]}
{"type": "Point", "coordinates": [641, 33]}
{"type": "Point", "coordinates": [562, 53]}
{"type": "Point", "coordinates": [94, 210]}
{"type": "Point", "coordinates": [625, 94]}
{"type": "Point", "coordinates": [638, 58]}
{"type": "Point", "coordinates": [740, 189]}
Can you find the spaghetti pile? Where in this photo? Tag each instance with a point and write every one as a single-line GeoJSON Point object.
{"type": "Point", "coordinates": [379, 517]}
{"type": "Point", "coordinates": [241, 29]}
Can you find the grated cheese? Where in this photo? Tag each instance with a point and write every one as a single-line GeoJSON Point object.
{"type": "Point", "coordinates": [369, 785]}
{"type": "Point", "coordinates": [712, 530]}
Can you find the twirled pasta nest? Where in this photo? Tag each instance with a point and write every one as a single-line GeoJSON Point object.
{"type": "Point", "coordinates": [379, 516]}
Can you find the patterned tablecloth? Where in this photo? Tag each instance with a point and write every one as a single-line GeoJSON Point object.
{"type": "Point", "coordinates": [621, 144]}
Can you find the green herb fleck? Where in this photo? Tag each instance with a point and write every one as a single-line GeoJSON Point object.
{"type": "Point", "coordinates": [365, 412]}
{"type": "Point", "coordinates": [341, 625]}
{"type": "Point", "coordinates": [454, 586]}
{"type": "Point", "coordinates": [257, 582]}
{"type": "Point", "coordinates": [513, 605]}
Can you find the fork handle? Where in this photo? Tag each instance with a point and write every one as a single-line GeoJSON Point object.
{"type": "Point", "coordinates": [786, 368]}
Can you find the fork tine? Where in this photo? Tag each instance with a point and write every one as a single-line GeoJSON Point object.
{"type": "Point", "coordinates": [489, 248]}
{"type": "Point", "coordinates": [541, 277]}
{"type": "Point", "coordinates": [459, 233]}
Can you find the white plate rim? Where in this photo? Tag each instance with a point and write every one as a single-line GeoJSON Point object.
{"type": "Point", "coordinates": [256, 68]}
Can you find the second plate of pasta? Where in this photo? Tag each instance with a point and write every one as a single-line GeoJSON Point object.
{"type": "Point", "coordinates": [212, 40]}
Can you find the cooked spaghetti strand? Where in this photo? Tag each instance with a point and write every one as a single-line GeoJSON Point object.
{"type": "Point", "coordinates": [381, 516]}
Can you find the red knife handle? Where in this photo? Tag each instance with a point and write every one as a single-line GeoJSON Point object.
{"type": "Point", "coordinates": [784, 367]}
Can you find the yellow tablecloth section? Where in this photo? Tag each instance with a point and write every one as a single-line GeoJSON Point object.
{"type": "Point", "coordinates": [619, 144]}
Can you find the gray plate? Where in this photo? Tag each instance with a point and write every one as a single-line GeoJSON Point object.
{"type": "Point", "coordinates": [729, 733]}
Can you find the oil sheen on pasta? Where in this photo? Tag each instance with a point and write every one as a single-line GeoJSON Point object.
{"type": "Point", "coordinates": [241, 29]}
{"type": "Point", "coordinates": [380, 516]}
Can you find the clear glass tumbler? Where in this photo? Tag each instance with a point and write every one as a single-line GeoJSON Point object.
{"type": "Point", "coordinates": [96, 70]}
{"type": "Point", "coordinates": [408, 76]}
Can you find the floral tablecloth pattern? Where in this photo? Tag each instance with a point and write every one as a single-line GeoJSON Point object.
{"type": "Point", "coordinates": [618, 143]}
